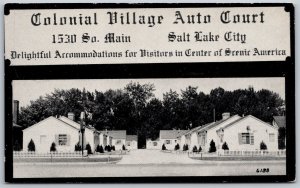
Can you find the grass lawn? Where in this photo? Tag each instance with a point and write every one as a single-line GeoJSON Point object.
{"type": "Point", "coordinates": [240, 158]}
{"type": "Point", "coordinates": [85, 159]}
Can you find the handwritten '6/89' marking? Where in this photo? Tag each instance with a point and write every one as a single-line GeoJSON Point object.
{"type": "Point", "coordinates": [262, 170]}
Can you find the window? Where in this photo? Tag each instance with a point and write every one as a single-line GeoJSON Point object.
{"type": "Point", "coordinates": [128, 143]}
{"type": "Point", "coordinates": [62, 139]}
{"type": "Point", "coordinates": [272, 137]}
{"type": "Point", "coordinates": [154, 143]}
{"type": "Point", "coordinates": [118, 142]}
{"type": "Point", "coordinates": [168, 142]}
{"type": "Point", "coordinates": [247, 138]}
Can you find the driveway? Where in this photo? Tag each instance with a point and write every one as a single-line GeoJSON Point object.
{"type": "Point", "coordinates": [144, 156]}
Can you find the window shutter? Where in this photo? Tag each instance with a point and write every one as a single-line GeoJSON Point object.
{"type": "Point", "coordinates": [56, 139]}
{"type": "Point", "coordinates": [251, 139]}
{"type": "Point", "coordinates": [68, 139]}
{"type": "Point", "coordinates": [240, 138]}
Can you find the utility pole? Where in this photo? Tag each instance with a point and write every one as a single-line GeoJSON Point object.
{"type": "Point", "coordinates": [82, 129]}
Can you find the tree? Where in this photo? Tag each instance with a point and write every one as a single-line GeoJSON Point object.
{"type": "Point", "coordinates": [163, 147]}
{"type": "Point", "coordinates": [212, 147]}
{"type": "Point", "coordinates": [225, 146]}
{"type": "Point", "coordinates": [263, 146]}
{"type": "Point", "coordinates": [77, 147]}
{"type": "Point", "coordinates": [53, 147]}
{"type": "Point", "coordinates": [31, 145]}
{"type": "Point", "coordinates": [88, 148]}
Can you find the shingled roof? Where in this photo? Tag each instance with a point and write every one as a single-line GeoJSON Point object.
{"type": "Point", "coordinates": [171, 134]}
{"type": "Point", "coordinates": [131, 138]}
{"type": "Point", "coordinates": [118, 134]}
{"type": "Point", "coordinates": [280, 121]}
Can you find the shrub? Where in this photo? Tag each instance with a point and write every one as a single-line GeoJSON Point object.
{"type": "Point", "coordinates": [185, 147]}
{"type": "Point", "coordinates": [53, 147]}
{"type": "Point", "coordinates": [163, 147]}
{"type": "Point", "coordinates": [108, 148]}
{"type": "Point", "coordinates": [123, 147]}
{"type": "Point", "coordinates": [225, 146]}
{"type": "Point", "coordinates": [200, 149]}
{"type": "Point", "coordinates": [113, 148]}
{"type": "Point", "coordinates": [177, 147]}
{"type": "Point", "coordinates": [77, 147]}
{"type": "Point", "coordinates": [17, 146]}
{"type": "Point", "coordinates": [105, 148]}
{"type": "Point", "coordinates": [101, 149]}
{"type": "Point", "coordinates": [212, 147]}
{"type": "Point", "coordinates": [195, 149]}
{"type": "Point", "coordinates": [263, 146]}
{"type": "Point", "coordinates": [31, 146]}
{"type": "Point", "coordinates": [88, 148]}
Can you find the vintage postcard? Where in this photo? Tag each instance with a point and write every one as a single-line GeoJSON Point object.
{"type": "Point", "coordinates": [149, 93]}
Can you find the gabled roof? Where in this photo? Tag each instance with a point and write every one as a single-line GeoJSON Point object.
{"type": "Point", "coordinates": [51, 117]}
{"type": "Point", "coordinates": [74, 124]}
{"type": "Point", "coordinates": [280, 121]}
{"type": "Point", "coordinates": [131, 138]}
{"type": "Point", "coordinates": [118, 134]}
{"type": "Point", "coordinates": [171, 134]}
{"type": "Point", "coordinates": [245, 117]}
{"type": "Point", "coordinates": [210, 125]}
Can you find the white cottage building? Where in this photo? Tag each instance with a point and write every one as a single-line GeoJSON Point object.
{"type": "Point", "coordinates": [117, 138]}
{"type": "Point", "coordinates": [240, 133]}
{"type": "Point", "coordinates": [63, 131]}
{"type": "Point", "coordinates": [131, 142]}
{"type": "Point", "coordinates": [168, 137]}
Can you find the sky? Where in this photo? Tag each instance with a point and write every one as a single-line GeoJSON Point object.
{"type": "Point", "coordinates": [27, 90]}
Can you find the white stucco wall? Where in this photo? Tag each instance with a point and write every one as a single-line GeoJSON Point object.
{"type": "Point", "coordinates": [118, 146]}
{"type": "Point", "coordinates": [260, 131]}
{"type": "Point", "coordinates": [49, 128]}
{"type": "Point", "coordinates": [170, 146]}
{"type": "Point", "coordinates": [133, 145]}
{"type": "Point", "coordinates": [149, 144]}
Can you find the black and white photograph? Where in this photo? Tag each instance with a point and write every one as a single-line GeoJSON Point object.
{"type": "Point", "coordinates": [149, 127]}
{"type": "Point", "coordinates": [149, 93]}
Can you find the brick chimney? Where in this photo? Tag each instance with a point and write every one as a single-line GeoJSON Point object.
{"type": "Point", "coordinates": [15, 111]}
{"type": "Point", "coordinates": [71, 116]}
{"type": "Point", "coordinates": [225, 115]}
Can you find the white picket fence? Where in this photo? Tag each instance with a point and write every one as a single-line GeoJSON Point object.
{"type": "Point", "coordinates": [252, 153]}
{"type": "Point", "coordinates": [21, 154]}
{"type": "Point", "coordinates": [278, 153]}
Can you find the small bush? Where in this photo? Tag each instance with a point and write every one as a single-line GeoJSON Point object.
{"type": "Point", "coordinates": [108, 148]}
{"type": "Point", "coordinates": [123, 147]}
{"type": "Point", "coordinates": [88, 148]}
{"type": "Point", "coordinates": [200, 149]}
{"type": "Point", "coordinates": [100, 149]}
{"type": "Point", "coordinates": [53, 147]}
{"type": "Point", "coordinates": [263, 146]}
{"type": "Point", "coordinates": [31, 146]}
{"type": "Point", "coordinates": [163, 147]}
{"type": "Point", "coordinates": [225, 146]}
{"type": "Point", "coordinates": [177, 147]}
{"type": "Point", "coordinates": [195, 149]}
{"type": "Point", "coordinates": [212, 147]}
{"type": "Point", "coordinates": [105, 148]}
{"type": "Point", "coordinates": [77, 147]}
{"type": "Point", "coordinates": [113, 148]}
{"type": "Point", "coordinates": [185, 147]}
